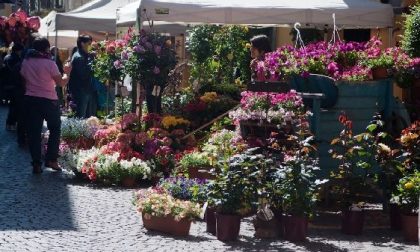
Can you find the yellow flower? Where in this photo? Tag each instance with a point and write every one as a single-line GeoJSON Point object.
{"type": "Point", "coordinates": [172, 121]}
{"type": "Point", "coordinates": [248, 45]}
{"type": "Point", "coordinates": [409, 185]}
{"type": "Point", "coordinates": [208, 97]}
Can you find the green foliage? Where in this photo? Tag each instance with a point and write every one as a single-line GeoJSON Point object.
{"type": "Point", "coordinates": [408, 191]}
{"type": "Point", "coordinates": [218, 52]}
{"type": "Point", "coordinates": [235, 190]}
{"type": "Point", "coordinates": [411, 37]}
{"type": "Point", "coordinates": [173, 105]}
{"type": "Point", "coordinates": [384, 60]}
{"type": "Point", "coordinates": [194, 159]}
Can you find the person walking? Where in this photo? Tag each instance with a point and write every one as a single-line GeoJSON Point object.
{"type": "Point", "coordinates": [41, 74]}
{"type": "Point", "coordinates": [81, 79]}
{"type": "Point", "coordinates": [14, 84]}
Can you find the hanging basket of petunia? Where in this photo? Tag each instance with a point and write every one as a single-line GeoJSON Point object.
{"type": "Point", "coordinates": [17, 28]}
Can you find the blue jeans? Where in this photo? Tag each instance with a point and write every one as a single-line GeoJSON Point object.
{"type": "Point", "coordinates": [86, 104]}
{"type": "Point", "coordinates": [40, 109]}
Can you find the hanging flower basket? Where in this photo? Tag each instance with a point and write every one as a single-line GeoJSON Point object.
{"type": "Point", "coordinates": [168, 225]}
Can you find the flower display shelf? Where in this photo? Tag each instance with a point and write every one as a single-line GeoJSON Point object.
{"type": "Point", "coordinates": [168, 225]}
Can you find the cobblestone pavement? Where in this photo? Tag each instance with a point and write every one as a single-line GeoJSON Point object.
{"type": "Point", "coordinates": [51, 212]}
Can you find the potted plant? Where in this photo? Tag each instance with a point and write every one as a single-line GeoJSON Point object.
{"type": "Point", "coordinates": [298, 186]}
{"type": "Point", "coordinates": [162, 212]}
{"type": "Point", "coordinates": [408, 191]}
{"type": "Point", "coordinates": [355, 155]}
{"type": "Point", "coordinates": [380, 65]}
{"type": "Point", "coordinates": [196, 165]}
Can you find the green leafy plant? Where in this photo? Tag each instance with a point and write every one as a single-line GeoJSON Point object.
{"type": "Point", "coordinates": [194, 159]}
{"type": "Point", "coordinates": [411, 36]}
{"type": "Point", "coordinates": [235, 190]}
{"type": "Point", "coordinates": [356, 157]}
{"type": "Point", "coordinates": [382, 61]}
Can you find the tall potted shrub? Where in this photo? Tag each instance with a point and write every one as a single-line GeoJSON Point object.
{"type": "Point", "coordinates": [299, 185]}
{"type": "Point", "coordinates": [355, 155]}
{"type": "Point", "coordinates": [234, 192]}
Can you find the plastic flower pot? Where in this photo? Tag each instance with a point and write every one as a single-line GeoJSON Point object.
{"type": "Point", "coordinates": [395, 217]}
{"type": "Point", "coordinates": [227, 227]}
{"type": "Point", "coordinates": [379, 73]}
{"type": "Point", "coordinates": [211, 221]}
{"type": "Point", "coordinates": [410, 227]}
{"type": "Point", "coordinates": [168, 225]}
{"type": "Point", "coordinates": [352, 222]}
{"type": "Point", "coordinates": [128, 182]}
{"type": "Point", "coordinates": [295, 228]}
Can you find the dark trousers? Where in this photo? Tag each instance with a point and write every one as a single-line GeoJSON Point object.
{"type": "Point", "coordinates": [86, 103]}
{"type": "Point", "coordinates": [38, 110]}
{"type": "Point", "coordinates": [21, 120]}
{"type": "Point", "coordinates": [13, 110]}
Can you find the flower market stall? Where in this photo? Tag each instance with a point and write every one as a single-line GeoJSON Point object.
{"type": "Point", "coordinates": [262, 160]}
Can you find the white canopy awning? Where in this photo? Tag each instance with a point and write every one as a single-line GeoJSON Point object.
{"type": "Point", "coordinates": [65, 39]}
{"type": "Point", "coordinates": [127, 16]}
{"type": "Point", "coordinates": [349, 13]}
{"type": "Point", "coordinates": [97, 15]}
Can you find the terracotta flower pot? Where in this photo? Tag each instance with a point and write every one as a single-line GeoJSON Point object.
{"type": "Point", "coordinates": [167, 225]}
{"type": "Point", "coordinates": [295, 228]}
{"type": "Point", "coordinates": [410, 227]}
{"type": "Point", "coordinates": [211, 221]}
{"type": "Point", "coordinates": [128, 182]}
{"type": "Point", "coordinates": [227, 227]}
{"type": "Point", "coordinates": [395, 217]}
{"type": "Point", "coordinates": [352, 222]}
{"type": "Point", "coordinates": [379, 73]}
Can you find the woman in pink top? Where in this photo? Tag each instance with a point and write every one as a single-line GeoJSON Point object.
{"type": "Point", "coordinates": [41, 74]}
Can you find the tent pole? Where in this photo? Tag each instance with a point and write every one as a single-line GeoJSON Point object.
{"type": "Point", "coordinates": [56, 45]}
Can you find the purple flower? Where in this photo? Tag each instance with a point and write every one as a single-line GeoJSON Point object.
{"type": "Point", "coordinates": [156, 70]}
{"type": "Point", "coordinates": [148, 45]}
{"type": "Point", "coordinates": [139, 49]}
{"type": "Point", "coordinates": [118, 64]}
{"type": "Point", "coordinates": [305, 74]}
{"type": "Point", "coordinates": [158, 49]}
{"type": "Point", "coordinates": [124, 55]}
{"type": "Point", "coordinates": [332, 67]}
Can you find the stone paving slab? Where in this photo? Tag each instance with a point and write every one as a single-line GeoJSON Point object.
{"type": "Point", "coordinates": [51, 212]}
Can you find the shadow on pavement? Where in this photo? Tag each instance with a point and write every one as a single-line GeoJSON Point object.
{"type": "Point", "coordinates": [27, 201]}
